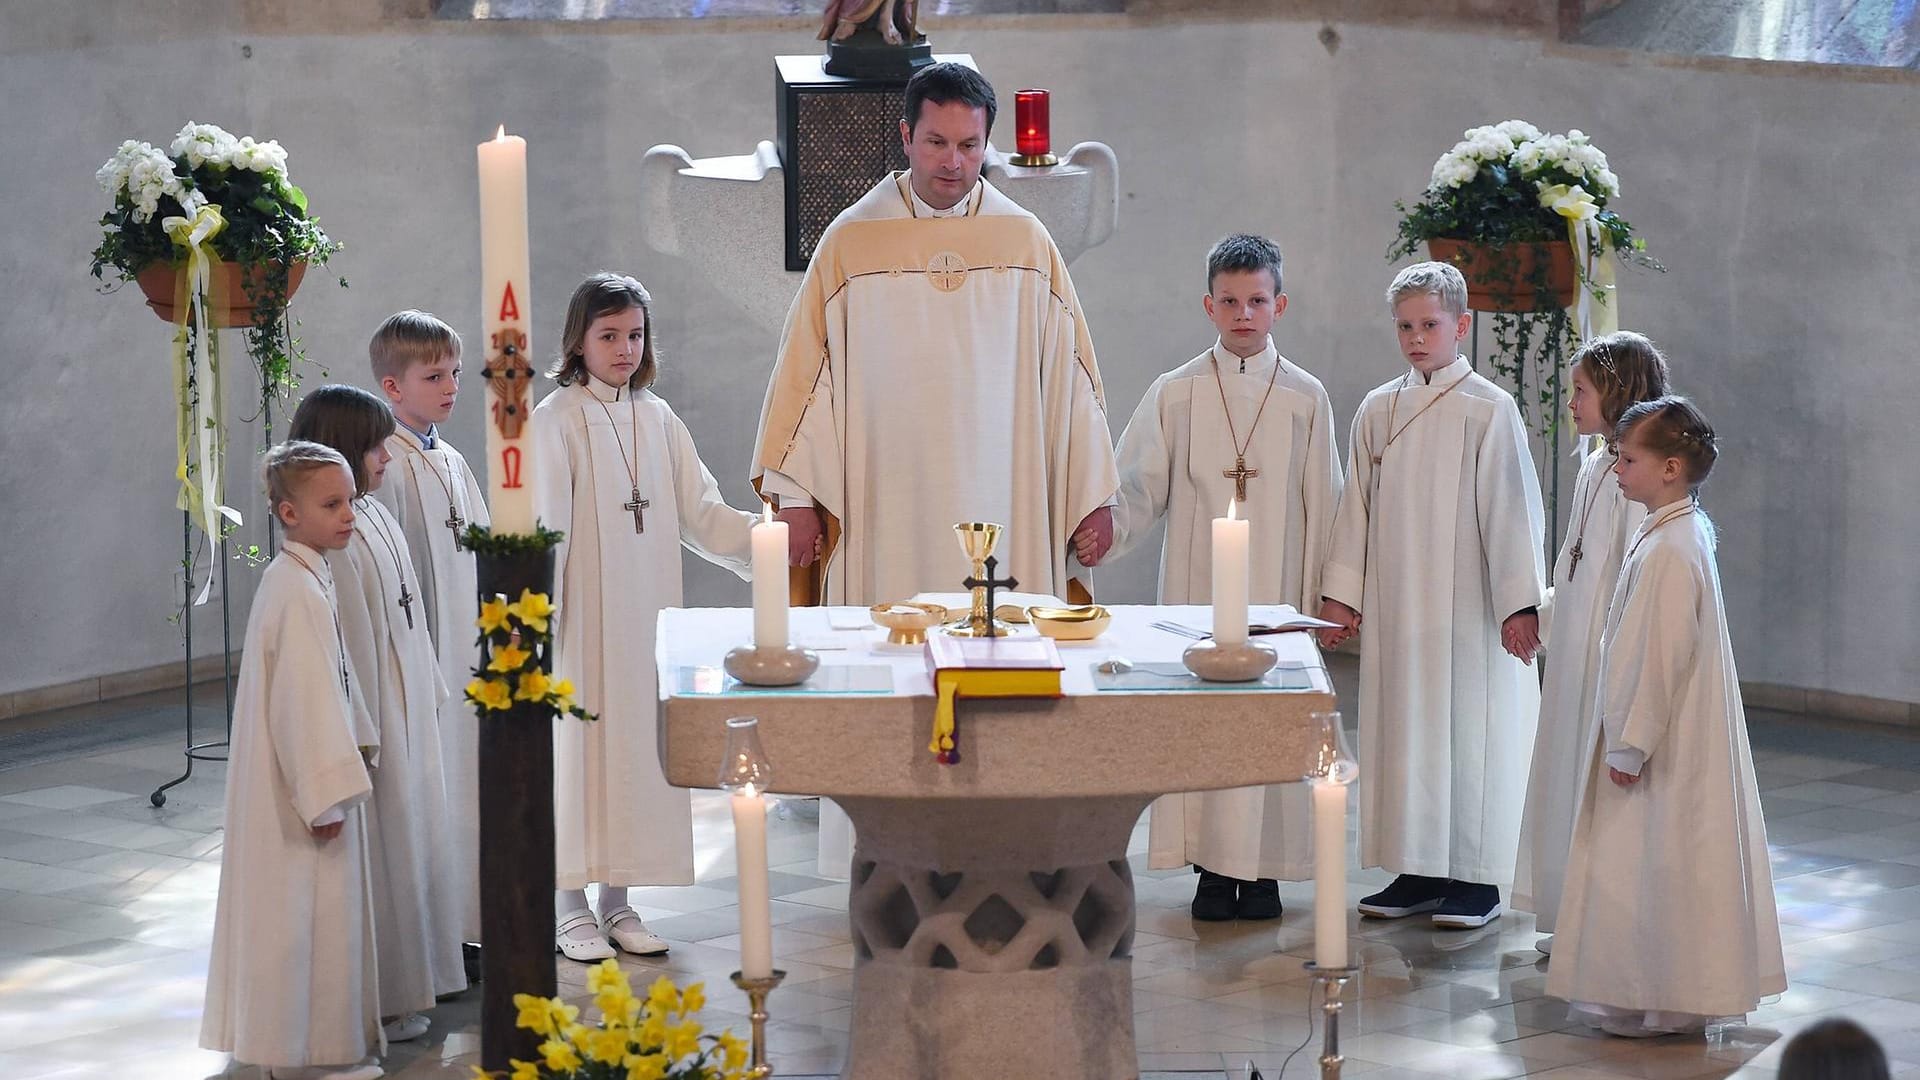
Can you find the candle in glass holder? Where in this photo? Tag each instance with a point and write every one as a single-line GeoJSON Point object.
{"type": "Point", "coordinates": [1033, 124]}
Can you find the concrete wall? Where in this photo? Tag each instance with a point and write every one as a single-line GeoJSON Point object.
{"type": "Point", "coordinates": [1777, 198]}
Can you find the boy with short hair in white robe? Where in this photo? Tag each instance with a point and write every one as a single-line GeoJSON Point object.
{"type": "Point", "coordinates": [1437, 547]}
{"type": "Point", "coordinates": [1238, 422]}
{"type": "Point", "coordinates": [620, 476]}
{"type": "Point", "coordinates": [1668, 917]}
{"type": "Point", "coordinates": [416, 361]}
{"type": "Point", "coordinates": [394, 667]}
{"type": "Point", "coordinates": [291, 982]}
{"type": "Point", "coordinates": [1610, 374]}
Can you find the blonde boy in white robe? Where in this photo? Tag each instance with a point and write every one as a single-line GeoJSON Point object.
{"type": "Point", "coordinates": [435, 496]}
{"type": "Point", "coordinates": [1668, 919]}
{"type": "Point", "coordinates": [1238, 422]}
{"type": "Point", "coordinates": [291, 982]}
{"type": "Point", "coordinates": [1609, 375]}
{"type": "Point", "coordinates": [619, 475]}
{"type": "Point", "coordinates": [1437, 546]}
{"type": "Point", "coordinates": [393, 663]}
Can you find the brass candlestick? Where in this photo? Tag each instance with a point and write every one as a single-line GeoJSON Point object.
{"type": "Point", "coordinates": [757, 991]}
{"type": "Point", "coordinates": [1333, 984]}
{"type": "Point", "coordinates": [977, 541]}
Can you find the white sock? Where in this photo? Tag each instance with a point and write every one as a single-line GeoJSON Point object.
{"type": "Point", "coordinates": [612, 897]}
{"type": "Point", "coordinates": [571, 901]}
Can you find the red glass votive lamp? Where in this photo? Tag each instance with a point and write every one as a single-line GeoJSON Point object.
{"type": "Point", "coordinates": [1033, 129]}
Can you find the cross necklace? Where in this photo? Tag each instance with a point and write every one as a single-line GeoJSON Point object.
{"type": "Point", "coordinates": [333, 609]}
{"type": "Point", "coordinates": [455, 523]}
{"type": "Point", "coordinates": [1240, 474]}
{"type": "Point", "coordinates": [399, 564]}
{"type": "Point", "coordinates": [637, 506]}
{"type": "Point", "coordinates": [1394, 411]}
{"type": "Point", "coordinates": [1579, 540]}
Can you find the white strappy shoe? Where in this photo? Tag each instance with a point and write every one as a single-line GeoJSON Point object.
{"type": "Point", "coordinates": [585, 950]}
{"type": "Point", "coordinates": [624, 927]}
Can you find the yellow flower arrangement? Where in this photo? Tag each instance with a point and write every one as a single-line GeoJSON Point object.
{"type": "Point", "coordinates": [651, 1037]}
{"type": "Point", "coordinates": [516, 638]}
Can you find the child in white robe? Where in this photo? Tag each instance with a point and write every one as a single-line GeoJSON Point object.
{"type": "Point", "coordinates": [416, 361]}
{"type": "Point", "coordinates": [291, 983]}
{"type": "Point", "coordinates": [1609, 375]}
{"type": "Point", "coordinates": [1240, 405]}
{"type": "Point", "coordinates": [1437, 545]}
{"type": "Point", "coordinates": [393, 662]}
{"type": "Point", "coordinates": [1668, 917]}
{"type": "Point", "coordinates": [619, 475]}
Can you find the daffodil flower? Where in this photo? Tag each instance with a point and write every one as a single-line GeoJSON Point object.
{"type": "Point", "coordinates": [493, 615]}
{"type": "Point", "coordinates": [524, 1070]}
{"type": "Point", "coordinates": [663, 996]}
{"type": "Point", "coordinates": [492, 693]}
{"type": "Point", "coordinates": [683, 1040]}
{"type": "Point", "coordinates": [606, 975]}
{"type": "Point", "coordinates": [646, 1067]}
{"type": "Point", "coordinates": [534, 686]}
{"type": "Point", "coordinates": [562, 694]}
{"type": "Point", "coordinates": [694, 999]}
{"type": "Point", "coordinates": [532, 609]}
{"type": "Point", "coordinates": [533, 1016]}
{"type": "Point", "coordinates": [560, 1056]}
{"type": "Point", "coordinates": [509, 658]}
{"type": "Point", "coordinates": [607, 1046]}
{"type": "Point", "coordinates": [733, 1051]}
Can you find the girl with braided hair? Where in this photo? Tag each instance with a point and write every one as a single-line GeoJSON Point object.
{"type": "Point", "coordinates": [1668, 916]}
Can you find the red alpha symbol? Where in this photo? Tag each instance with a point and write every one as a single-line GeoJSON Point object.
{"type": "Point", "coordinates": [509, 307]}
{"type": "Point", "coordinates": [510, 466]}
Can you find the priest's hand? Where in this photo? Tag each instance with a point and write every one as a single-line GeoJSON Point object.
{"type": "Point", "coordinates": [1093, 537]}
{"type": "Point", "coordinates": [806, 534]}
{"type": "Point", "coordinates": [1620, 778]}
{"type": "Point", "coordinates": [1336, 612]}
{"type": "Point", "coordinates": [324, 833]}
{"type": "Point", "coordinates": [1520, 634]}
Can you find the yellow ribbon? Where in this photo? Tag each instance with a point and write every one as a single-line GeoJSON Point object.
{"type": "Point", "coordinates": [1595, 269]}
{"type": "Point", "coordinates": [200, 428]}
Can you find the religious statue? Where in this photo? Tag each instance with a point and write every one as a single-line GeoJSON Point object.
{"type": "Point", "coordinates": [894, 20]}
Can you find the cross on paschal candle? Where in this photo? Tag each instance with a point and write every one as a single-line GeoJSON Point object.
{"type": "Point", "coordinates": [639, 509]}
{"type": "Point", "coordinates": [991, 583]}
{"type": "Point", "coordinates": [1240, 474]}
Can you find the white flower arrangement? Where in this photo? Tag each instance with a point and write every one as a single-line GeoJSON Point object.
{"type": "Point", "coordinates": [1521, 148]}
{"type": "Point", "coordinates": [148, 174]}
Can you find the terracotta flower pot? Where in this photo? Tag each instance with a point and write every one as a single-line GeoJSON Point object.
{"type": "Point", "coordinates": [160, 280]}
{"type": "Point", "coordinates": [1502, 279]}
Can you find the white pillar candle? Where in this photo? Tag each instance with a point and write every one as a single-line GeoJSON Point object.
{"type": "Point", "coordinates": [505, 321]}
{"type": "Point", "coordinates": [750, 853]}
{"type": "Point", "coordinates": [1231, 569]}
{"type": "Point", "coordinates": [1329, 874]}
{"type": "Point", "coordinates": [769, 582]}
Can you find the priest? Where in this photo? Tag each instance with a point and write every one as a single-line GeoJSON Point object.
{"type": "Point", "coordinates": [935, 368]}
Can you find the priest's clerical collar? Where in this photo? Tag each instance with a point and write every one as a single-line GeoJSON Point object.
{"type": "Point", "coordinates": [606, 391]}
{"type": "Point", "coordinates": [1446, 375]}
{"type": "Point", "coordinates": [924, 209]}
{"type": "Point", "coordinates": [425, 438]}
{"type": "Point", "coordinates": [1258, 362]}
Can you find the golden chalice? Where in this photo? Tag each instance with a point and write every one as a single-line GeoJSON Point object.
{"type": "Point", "coordinates": [977, 541]}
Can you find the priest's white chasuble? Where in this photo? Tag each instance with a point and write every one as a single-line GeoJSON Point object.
{"type": "Point", "coordinates": [290, 981]}
{"type": "Point", "coordinates": [435, 496]}
{"type": "Point", "coordinates": [417, 898]}
{"type": "Point", "coordinates": [1437, 541]}
{"type": "Point", "coordinates": [619, 474]}
{"type": "Point", "coordinates": [1668, 905]}
{"type": "Point", "coordinates": [1570, 624]}
{"type": "Point", "coordinates": [1176, 461]}
{"type": "Point", "coordinates": [932, 371]}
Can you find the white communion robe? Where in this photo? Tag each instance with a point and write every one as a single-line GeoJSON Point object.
{"type": "Point", "coordinates": [1435, 547]}
{"type": "Point", "coordinates": [616, 820]}
{"type": "Point", "coordinates": [935, 370]}
{"type": "Point", "coordinates": [425, 488]}
{"type": "Point", "coordinates": [1571, 620]}
{"type": "Point", "coordinates": [1173, 458]}
{"type": "Point", "coordinates": [291, 978]}
{"type": "Point", "coordinates": [416, 898]}
{"type": "Point", "coordinates": [1669, 903]}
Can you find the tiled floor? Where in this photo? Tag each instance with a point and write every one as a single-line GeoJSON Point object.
{"type": "Point", "coordinates": [106, 904]}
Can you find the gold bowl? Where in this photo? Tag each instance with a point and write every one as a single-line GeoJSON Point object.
{"type": "Point", "coordinates": [907, 623]}
{"type": "Point", "coordinates": [1083, 622]}
{"type": "Point", "coordinates": [1011, 613]}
